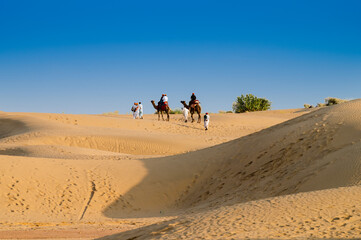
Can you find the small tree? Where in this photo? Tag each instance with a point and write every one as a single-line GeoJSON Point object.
{"type": "Point", "coordinates": [250, 103]}
{"type": "Point", "coordinates": [332, 101]}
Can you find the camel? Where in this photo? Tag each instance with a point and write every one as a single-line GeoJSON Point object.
{"type": "Point", "coordinates": [195, 107]}
{"type": "Point", "coordinates": [160, 111]}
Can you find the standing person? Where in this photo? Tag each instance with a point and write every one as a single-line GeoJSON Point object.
{"type": "Point", "coordinates": [206, 121]}
{"type": "Point", "coordinates": [185, 113]}
{"type": "Point", "coordinates": [140, 110]}
{"type": "Point", "coordinates": [135, 110]}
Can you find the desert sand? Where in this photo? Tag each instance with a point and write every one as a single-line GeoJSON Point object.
{"type": "Point", "coordinates": [275, 174]}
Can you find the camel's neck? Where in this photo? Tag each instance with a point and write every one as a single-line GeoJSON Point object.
{"type": "Point", "coordinates": [155, 106]}
{"type": "Point", "coordinates": [185, 105]}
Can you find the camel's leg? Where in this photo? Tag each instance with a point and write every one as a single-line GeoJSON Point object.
{"type": "Point", "coordinates": [162, 115]}
{"type": "Point", "coordinates": [168, 116]}
{"type": "Point", "coordinates": [158, 116]}
{"type": "Point", "coordinates": [192, 117]}
{"type": "Point", "coordinates": [199, 117]}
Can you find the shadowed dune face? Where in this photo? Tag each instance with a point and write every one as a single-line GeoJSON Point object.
{"type": "Point", "coordinates": [316, 151]}
{"type": "Point", "coordinates": [10, 127]}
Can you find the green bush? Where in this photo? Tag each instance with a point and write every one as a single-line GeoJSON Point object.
{"type": "Point", "coordinates": [332, 101]}
{"type": "Point", "coordinates": [250, 103]}
{"type": "Point", "coordinates": [307, 105]}
{"type": "Point", "coordinates": [321, 105]}
{"type": "Point", "coordinates": [176, 111]}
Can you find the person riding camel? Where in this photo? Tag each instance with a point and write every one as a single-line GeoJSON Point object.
{"type": "Point", "coordinates": [165, 99]}
{"type": "Point", "coordinates": [193, 97]}
{"type": "Point", "coordinates": [193, 100]}
{"type": "Point", "coordinates": [160, 103]}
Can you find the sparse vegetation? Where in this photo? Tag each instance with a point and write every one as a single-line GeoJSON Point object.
{"type": "Point", "coordinates": [176, 111]}
{"type": "Point", "coordinates": [307, 106]}
{"type": "Point", "coordinates": [250, 103]}
{"type": "Point", "coordinates": [332, 101]}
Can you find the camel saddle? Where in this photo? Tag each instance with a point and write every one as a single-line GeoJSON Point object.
{"type": "Point", "coordinates": [193, 104]}
{"type": "Point", "coordinates": [164, 106]}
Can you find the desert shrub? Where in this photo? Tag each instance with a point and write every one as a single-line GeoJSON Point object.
{"type": "Point", "coordinates": [332, 101]}
{"type": "Point", "coordinates": [229, 112]}
{"type": "Point", "coordinates": [176, 111]}
{"type": "Point", "coordinates": [307, 105]}
{"type": "Point", "coordinates": [250, 103]}
{"type": "Point", "coordinates": [221, 111]}
{"type": "Point", "coordinates": [321, 105]}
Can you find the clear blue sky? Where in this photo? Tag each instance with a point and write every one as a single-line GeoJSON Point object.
{"type": "Point", "coordinates": [101, 56]}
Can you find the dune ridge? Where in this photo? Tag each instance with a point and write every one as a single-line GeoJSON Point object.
{"type": "Point", "coordinates": [182, 181]}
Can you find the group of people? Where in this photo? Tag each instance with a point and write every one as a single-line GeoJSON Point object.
{"type": "Point", "coordinates": [137, 110]}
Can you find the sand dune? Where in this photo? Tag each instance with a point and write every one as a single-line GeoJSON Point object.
{"type": "Point", "coordinates": [254, 175]}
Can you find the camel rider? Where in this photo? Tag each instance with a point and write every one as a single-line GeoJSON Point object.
{"type": "Point", "coordinates": [193, 98]}
{"type": "Point", "coordinates": [165, 99]}
{"type": "Point", "coordinates": [160, 103]}
{"type": "Point", "coordinates": [206, 121]}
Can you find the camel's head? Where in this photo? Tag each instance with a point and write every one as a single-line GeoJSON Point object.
{"type": "Point", "coordinates": [152, 101]}
{"type": "Point", "coordinates": [182, 101]}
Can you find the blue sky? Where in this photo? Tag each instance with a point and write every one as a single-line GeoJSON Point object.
{"type": "Point", "coordinates": [101, 56]}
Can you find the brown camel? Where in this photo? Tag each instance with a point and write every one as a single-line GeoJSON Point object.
{"type": "Point", "coordinates": [160, 111]}
{"type": "Point", "coordinates": [193, 107]}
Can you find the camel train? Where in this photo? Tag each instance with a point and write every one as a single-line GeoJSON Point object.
{"type": "Point", "coordinates": [193, 107]}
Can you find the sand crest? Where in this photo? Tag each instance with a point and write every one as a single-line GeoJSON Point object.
{"type": "Point", "coordinates": [277, 174]}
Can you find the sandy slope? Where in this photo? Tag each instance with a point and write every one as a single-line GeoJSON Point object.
{"type": "Point", "coordinates": [110, 174]}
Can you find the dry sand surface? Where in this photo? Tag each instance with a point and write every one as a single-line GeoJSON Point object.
{"type": "Point", "coordinates": [275, 174]}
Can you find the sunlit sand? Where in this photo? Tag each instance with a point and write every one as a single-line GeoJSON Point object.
{"type": "Point", "coordinates": [274, 174]}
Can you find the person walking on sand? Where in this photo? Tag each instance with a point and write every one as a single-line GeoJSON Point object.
{"type": "Point", "coordinates": [206, 121]}
{"type": "Point", "coordinates": [135, 110]}
{"type": "Point", "coordinates": [140, 110]}
{"type": "Point", "coordinates": [185, 114]}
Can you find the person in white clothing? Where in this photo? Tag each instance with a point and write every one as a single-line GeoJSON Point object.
{"type": "Point", "coordinates": [206, 121]}
{"type": "Point", "coordinates": [165, 99]}
{"type": "Point", "coordinates": [185, 114]}
{"type": "Point", "coordinates": [135, 110]}
{"type": "Point", "coordinates": [140, 110]}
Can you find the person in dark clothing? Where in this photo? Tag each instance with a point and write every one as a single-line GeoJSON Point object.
{"type": "Point", "coordinates": [193, 97]}
{"type": "Point", "coordinates": [160, 103]}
